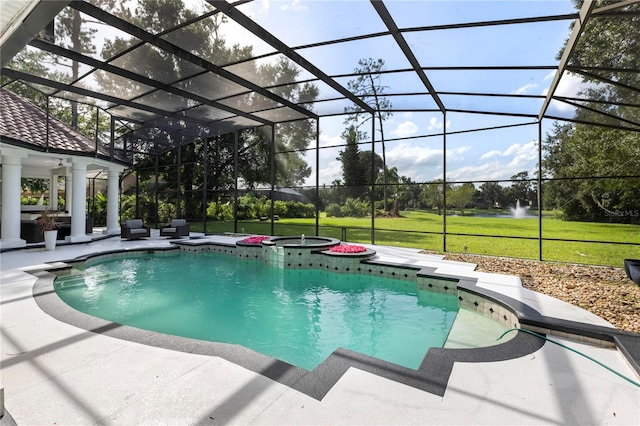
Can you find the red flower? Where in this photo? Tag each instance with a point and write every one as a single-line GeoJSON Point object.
{"type": "Point", "coordinates": [346, 248]}
{"type": "Point", "coordinates": [257, 239]}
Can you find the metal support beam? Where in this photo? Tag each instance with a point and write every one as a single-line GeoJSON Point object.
{"type": "Point", "coordinates": [613, 6]}
{"type": "Point", "coordinates": [578, 27]}
{"type": "Point", "coordinates": [269, 38]}
{"type": "Point", "coordinates": [273, 176]}
{"type": "Point", "coordinates": [19, 75]}
{"type": "Point", "coordinates": [236, 163]}
{"type": "Point", "coordinates": [444, 181]}
{"type": "Point", "coordinates": [184, 54]}
{"type": "Point", "coordinates": [75, 56]}
{"type": "Point", "coordinates": [317, 201]}
{"type": "Point", "coordinates": [539, 181]}
{"type": "Point", "coordinates": [408, 53]}
{"type": "Point", "coordinates": [372, 197]}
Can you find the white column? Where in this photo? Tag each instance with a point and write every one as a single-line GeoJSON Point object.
{"type": "Point", "coordinates": [78, 202]}
{"type": "Point", "coordinates": [68, 199]}
{"type": "Point", "coordinates": [11, 176]}
{"type": "Point", "coordinates": [113, 191]}
{"type": "Point", "coordinates": [53, 192]}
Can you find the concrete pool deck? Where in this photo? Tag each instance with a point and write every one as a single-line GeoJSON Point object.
{"type": "Point", "coordinates": [56, 373]}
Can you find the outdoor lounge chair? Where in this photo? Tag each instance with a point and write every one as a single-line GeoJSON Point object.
{"type": "Point", "coordinates": [176, 229]}
{"type": "Point", "coordinates": [134, 229]}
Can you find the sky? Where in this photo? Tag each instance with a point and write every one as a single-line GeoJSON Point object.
{"type": "Point", "coordinates": [485, 155]}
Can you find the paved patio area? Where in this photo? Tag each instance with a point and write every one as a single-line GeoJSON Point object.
{"type": "Point", "coordinates": [55, 373]}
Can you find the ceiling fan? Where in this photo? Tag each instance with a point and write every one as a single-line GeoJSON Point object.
{"type": "Point", "coordinates": [61, 165]}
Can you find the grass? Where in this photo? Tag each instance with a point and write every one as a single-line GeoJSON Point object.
{"type": "Point", "coordinates": [593, 243]}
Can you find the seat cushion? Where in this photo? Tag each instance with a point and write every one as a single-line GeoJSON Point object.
{"type": "Point", "coordinates": [137, 231]}
{"type": "Point", "coordinates": [169, 230]}
{"type": "Point", "coordinates": [134, 223]}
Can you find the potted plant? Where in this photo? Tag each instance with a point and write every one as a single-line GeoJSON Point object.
{"type": "Point", "coordinates": [49, 225]}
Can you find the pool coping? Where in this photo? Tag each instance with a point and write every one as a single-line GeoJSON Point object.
{"type": "Point", "coordinates": [432, 376]}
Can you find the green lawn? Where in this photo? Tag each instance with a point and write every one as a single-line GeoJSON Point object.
{"type": "Point", "coordinates": [480, 235]}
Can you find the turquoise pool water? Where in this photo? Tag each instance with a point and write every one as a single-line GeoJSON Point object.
{"type": "Point", "coordinates": [298, 316]}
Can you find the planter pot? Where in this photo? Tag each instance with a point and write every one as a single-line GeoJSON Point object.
{"type": "Point", "coordinates": [632, 268]}
{"type": "Point", "coordinates": [50, 238]}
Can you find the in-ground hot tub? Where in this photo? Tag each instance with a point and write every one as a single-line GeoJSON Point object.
{"type": "Point", "coordinates": [304, 242]}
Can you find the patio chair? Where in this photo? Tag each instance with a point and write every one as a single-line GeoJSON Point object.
{"type": "Point", "coordinates": [134, 229]}
{"type": "Point", "coordinates": [176, 229]}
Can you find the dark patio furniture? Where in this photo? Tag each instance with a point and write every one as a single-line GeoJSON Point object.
{"type": "Point", "coordinates": [176, 229]}
{"type": "Point", "coordinates": [632, 268]}
{"type": "Point", "coordinates": [64, 227]}
{"type": "Point", "coordinates": [31, 231]}
{"type": "Point", "coordinates": [133, 229]}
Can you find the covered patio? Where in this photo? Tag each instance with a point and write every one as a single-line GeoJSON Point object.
{"type": "Point", "coordinates": [36, 146]}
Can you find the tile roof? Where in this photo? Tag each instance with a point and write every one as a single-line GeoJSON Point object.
{"type": "Point", "coordinates": [24, 123]}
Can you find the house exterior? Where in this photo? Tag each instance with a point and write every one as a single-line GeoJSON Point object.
{"type": "Point", "coordinates": [35, 145]}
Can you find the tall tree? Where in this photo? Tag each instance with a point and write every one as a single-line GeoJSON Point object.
{"type": "Point", "coordinates": [368, 85]}
{"type": "Point", "coordinates": [492, 194]}
{"type": "Point", "coordinates": [461, 196]}
{"type": "Point", "coordinates": [353, 172]}
{"type": "Point", "coordinates": [432, 195]}
{"type": "Point", "coordinates": [409, 193]}
{"type": "Point", "coordinates": [580, 152]}
{"type": "Point", "coordinates": [521, 189]}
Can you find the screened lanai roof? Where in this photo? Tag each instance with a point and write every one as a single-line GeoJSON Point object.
{"type": "Point", "coordinates": [164, 85]}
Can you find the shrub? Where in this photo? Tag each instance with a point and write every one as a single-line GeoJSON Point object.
{"type": "Point", "coordinates": [333, 210]}
{"type": "Point", "coordinates": [355, 208]}
{"type": "Point", "coordinates": [293, 209]}
{"type": "Point", "coordinates": [218, 210]}
{"type": "Point", "coordinates": [281, 208]}
{"type": "Point", "coordinates": [28, 201]}
{"type": "Point", "coordinates": [166, 212]}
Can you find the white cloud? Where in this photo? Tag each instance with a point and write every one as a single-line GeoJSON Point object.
{"type": "Point", "coordinates": [524, 89]}
{"type": "Point", "coordinates": [413, 161]}
{"type": "Point", "coordinates": [456, 153]}
{"type": "Point", "coordinates": [549, 77]}
{"type": "Point", "coordinates": [327, 140]}
{"type": "Point", "coordinates": [405, 129]}
{"type": "Point", "coordinates": [511, 150]}
{"type": "Point", "coordinates": [294, 5]}
{"type": "Point", "coordinates": [332, 171]}
{"type": "Point", "coordinates": [420, 163]}
{"type": "Point", "coordinates": [492, 170]}
{"type": "Point", "coordinates": [435, 124]}
{"type": "Point", "coordinates": [407, 114]}
{"type": "Point", "coordinates": [490, 154]}
{"type": "Point", "coordinates": [515, 159]}
{"type": "Point", "coordinates": [569, 86]}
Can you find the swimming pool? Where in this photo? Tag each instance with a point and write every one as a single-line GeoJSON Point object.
{"type": "Point", "coordinates": [299, 316]}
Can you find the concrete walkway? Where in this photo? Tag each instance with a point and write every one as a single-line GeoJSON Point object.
{"type": "Point", "coordinates": [54, 373]}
